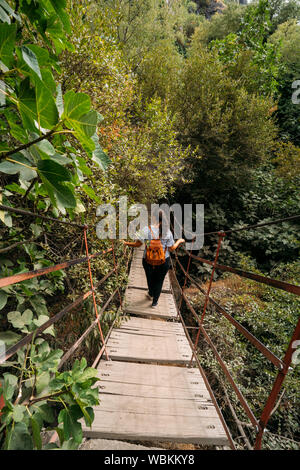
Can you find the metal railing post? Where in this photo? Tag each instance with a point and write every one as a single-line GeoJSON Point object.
{"type": "Point", "coordinates": [93, 290]}
{"type": "Point", "coordinates": [221, 236]}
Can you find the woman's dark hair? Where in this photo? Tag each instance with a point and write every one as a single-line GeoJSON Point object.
{"type": "Point", "coordinates": [162, 220]}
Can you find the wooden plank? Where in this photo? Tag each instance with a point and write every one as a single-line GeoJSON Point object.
{"type": "Point", "coordinates": [137, 278]}
{"type": "Point", "coordinates": [143, 401]}
{"type": "Point", "coordinates": [136, 302]}
{"type": "Point", "coordinates": [156, 403]}
{"type": "Point", "coordinates": [156, 427]}
{"type": "Point", "coordinates": [146, 340]}
{"type": "Point", "coordinates": [153, 380]}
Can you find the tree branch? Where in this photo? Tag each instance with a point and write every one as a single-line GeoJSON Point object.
{"type": "Point", "coordinates": [39, 139]}
{"type": "Point", "coordinates": [25, 146]}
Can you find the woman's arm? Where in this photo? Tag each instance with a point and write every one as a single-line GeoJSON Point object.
{"type": "Point", "coordinates": [137, 243]}
{"type": "Point", "coordinates": [176, 244]}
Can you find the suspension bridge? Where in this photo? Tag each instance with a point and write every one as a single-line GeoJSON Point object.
{"type": "Point", "coordinates": [152, 386]}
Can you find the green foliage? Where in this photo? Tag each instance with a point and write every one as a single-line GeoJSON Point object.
{"type": "Point", "coordinates": [38, 164]}
{"type": "Point", "coordinates": [229, 127]}
{"type": "Point", "coordinates": [268, 196]}
{"type": "Point", "coordinates": [71, 390]}
{"type": "Point", "coordinates": [252, 36]}
{"type": "Point", "coordinates": [288, 113]}
{"type": "Point", "coordinates": [36, 117]}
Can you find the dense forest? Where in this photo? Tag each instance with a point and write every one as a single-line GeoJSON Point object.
{"type": "Point", "coordinates": [171, 101]}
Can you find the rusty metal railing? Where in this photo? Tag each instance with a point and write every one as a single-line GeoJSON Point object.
{"type": "Point", "coordinates": [10, 280]}
{"type": "Point", "coordinates": [282, 365]}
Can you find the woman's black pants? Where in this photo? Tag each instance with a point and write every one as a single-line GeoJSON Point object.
{"type": "Point", "coordinates": [155, 277]}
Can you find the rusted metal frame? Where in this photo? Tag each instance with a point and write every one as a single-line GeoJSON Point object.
{"type": "Point", "coordinates": [10, 280]}
{"type": "Point", "coordinates": [277, 385]}
{"type": "Point", "coordinates": [237, 421]}
{"type": "Point", "coordinates": [278, 363]}
{"type": "Point", "coordinates": [87, 332]}
{"type": "Point", "coordinates": [221, 236]}
{"type": "Point", "coordinates": [92, 287]}
{"type": "Point", "coordinates": [117, 277]}
{"type": "Point", "coordinates": [185, 277]}
{"type": "Point", "coordinates": [96, 361]}
{"type": "Point", "coordinates": [239, 394]}
{"type": "Point", "coordinates": [255, 277]}
{"type": "Point", "coordinates": [201, 370]}
{"type": "Point", "coordinates": [40, 216]}
{"type": "Point", "coordinates": [27, 339]}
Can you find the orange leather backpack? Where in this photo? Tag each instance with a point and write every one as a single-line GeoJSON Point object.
{"type": "Point", "coordinates": [155, 254]}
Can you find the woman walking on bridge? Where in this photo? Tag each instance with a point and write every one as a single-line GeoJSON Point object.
{"type": "Point", "coordinates": [156, 259]}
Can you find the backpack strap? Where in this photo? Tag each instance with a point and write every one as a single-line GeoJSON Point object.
{"type": "Point", "coordinates": [153, 233]}
{"type": "Point", "coordinates": [157, 238]}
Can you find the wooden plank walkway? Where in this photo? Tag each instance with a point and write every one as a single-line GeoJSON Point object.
{"type": "Point", "coordinates": [146, 390]}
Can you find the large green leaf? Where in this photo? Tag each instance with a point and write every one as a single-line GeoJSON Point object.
{"type": "Point", "coordinates": [9, 11]}
{"type": "Point", "coordinates": [7, 43]}
{"type": "Point", "coordinates": [65, 196]}
{"type": "Point", "coordinates": [27, 105]}
{"type": "Point", "coordinates": [47, 114]}
{"type": "Point", "coordinates": [88, 123]}
{"type": "Point", "coordinates": [59, 6]}
{"type": "Point", "coordinates": [41, 54]}
{"type": "Point", "coordinates": [76, 104]}
{"type": "Point", "coordinates": [99, 156]}
{"type": "Point", "coordinates": [61, 196]}
{"type": "Point", "coordinates": [31, 60]}
{"type": "Point", "coordinates": [53, 172]}
{"type": "Point", "coordinates": [16, 164]}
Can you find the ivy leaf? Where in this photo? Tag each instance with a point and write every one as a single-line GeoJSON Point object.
{"type": "Point", "coordinates": [9, 338]}
{"type": "Point", "coordinates": [3, 299]}
{"type": "Point", "coordinates": [72, 428]}
{"type": "Point", "coordinates": [19, 320]}
{"type": "Point", "coordinates": [10, 384]}
{"type": "Point", "coordinates": [40, 321]}
{"type": "Point", "coordinates": [36, 433]}
{"type": "Point", "coordinates": [18, 438]}
{"type": "Point", "coordinates": [46, 412]}
{"type": "Point", "coordinates": [18, 413]}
